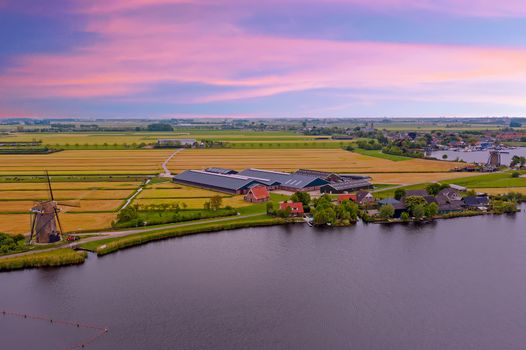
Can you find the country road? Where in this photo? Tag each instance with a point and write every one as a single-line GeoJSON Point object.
{"type": "Point", "coordinates": [167, 172]}
{"type": "Point", "coordinates": [123, 233]}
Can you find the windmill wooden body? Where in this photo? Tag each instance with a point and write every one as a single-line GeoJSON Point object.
{"type": "Point", "coordinates": [45, 223]}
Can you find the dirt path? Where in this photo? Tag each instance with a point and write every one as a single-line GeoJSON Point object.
{"type": "Point", "coordinates": [167, 172]}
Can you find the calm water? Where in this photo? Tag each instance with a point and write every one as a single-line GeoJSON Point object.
{"type": "Point", "coordinates": [457, 284]}
{"type": "Point", "coordinates": [479, 156]}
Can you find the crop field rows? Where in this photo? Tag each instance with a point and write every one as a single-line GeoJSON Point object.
{"type": "Point", "coordinates": [291, 159]}
{"type": "Point", "coordinates": [86, 162]}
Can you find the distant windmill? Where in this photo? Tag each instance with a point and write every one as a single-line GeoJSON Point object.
{"type": "Point", "coordinates": [494, 159]}
{"type": "Point", "coordinates": [45, 223]}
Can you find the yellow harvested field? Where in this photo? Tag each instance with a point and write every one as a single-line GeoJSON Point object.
{"type": "Point", "coordinates": [85, 205]}
{"type": "Point", "coordinates": [69, 186]}
{"type": "Point", "coordinates": [184, 192]}
{"type": "Point", "coordinates": [93, 205]}
{"type": "Point", "coordinates": [15, 223]}
{"type": "Point", "coordinates": [16, 206]}
{"type": "Point", "coordinates": [292, 159]}
{"type": "Point", "coordinates": [20, 223]}
{"type": "Point", "coordinates": [66, 194]}
{"type": "Point", "coordinates": [86, 162]}
{"type": "Point", "coordinates": [195, 203]}
{"type": "Point", "coordinates": [414, 178]}
{"type": "Point", "coordinates": [84, 222]}
{"type": "Point", "coordinates": [502, 190]}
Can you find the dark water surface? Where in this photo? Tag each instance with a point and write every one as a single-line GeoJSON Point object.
{"type": "Point", "coordinates": [480, 156]}
{"type": "Point", "coordinates": [456, 284]}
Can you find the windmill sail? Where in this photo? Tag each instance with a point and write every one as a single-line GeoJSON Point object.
{"type": "Point", "coordinates": [45, 218]}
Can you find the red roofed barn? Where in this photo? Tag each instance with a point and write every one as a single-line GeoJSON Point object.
{"type": "Point", "coordinates": [257, 194]}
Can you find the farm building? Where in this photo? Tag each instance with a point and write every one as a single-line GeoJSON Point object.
{"type": "Point", "coordinates": [296, 208]}
{"type": "Point", "coordinates": [176, 142]}
{"type": "Point", "coordinates": [221, 171]}
{"type": "Point", "coordinates": [345, 186]}
{"type": "Point", "coordinates": [234, 184]}
{"type": "Point", "coordinates": [364, 198]}
{"type": "Point", "coordinates": [286, 181]}
{"type": "Point", "coordinates": [257, 194]}
{"type": "Point", "coordinates": [346, 197]}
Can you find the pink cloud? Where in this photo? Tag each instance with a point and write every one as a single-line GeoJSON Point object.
{"type": "Point", "coordinates": [135, 54]}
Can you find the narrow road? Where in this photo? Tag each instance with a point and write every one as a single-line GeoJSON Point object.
{"type": "Point", "coordinates": [123, 233]}
{"type": "Point", "coordinates": [167, 172]}
{"type": "Point", "coordinates": [139, 190]}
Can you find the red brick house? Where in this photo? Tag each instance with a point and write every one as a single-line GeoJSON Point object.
{"type": "Point", "coordinates": [296, 208]}
{"type": "Point", "coordinates": [257, 194]}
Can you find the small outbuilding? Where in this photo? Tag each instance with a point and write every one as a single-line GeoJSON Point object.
{"type": "Point", "coordinates": [257, 194]}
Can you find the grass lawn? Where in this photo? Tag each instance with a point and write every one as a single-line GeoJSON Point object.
{"type": "Point", "coordinates": [494, 180]}
{"type": "Point", "coordinates": [380, 154]}
{"type": "Point", "coordinates": [389, 193]}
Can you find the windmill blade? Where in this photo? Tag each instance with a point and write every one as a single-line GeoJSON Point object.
{"type": "Point", "coordinates": [70, 204]}
{"type": "Point", "coordinates": [33, 223]}
{"type": "Point", "coordinates": [49, 185]}
{"type": "Point", "coordinates": [58, 221]}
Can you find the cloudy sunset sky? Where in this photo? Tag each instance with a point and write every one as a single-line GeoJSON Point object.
{"type": "Point", "coordinates": [266, 58]}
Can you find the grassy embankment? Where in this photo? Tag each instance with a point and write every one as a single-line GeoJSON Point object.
{"type": "Point", "coordinates": [59, 257]}
{"type": "Point", "coordinates": [110, 245]}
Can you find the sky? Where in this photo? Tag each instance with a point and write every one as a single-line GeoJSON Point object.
{"type": "Point", "coordinates": [262, 58]}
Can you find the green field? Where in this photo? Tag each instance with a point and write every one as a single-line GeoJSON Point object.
{"type": "Point", "coordinates": [494, 180]}
{"type": "Point", "coordinates": [380, 154]}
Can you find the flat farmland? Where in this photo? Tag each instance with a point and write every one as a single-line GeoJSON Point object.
{"type": "Point", "coordinates": [20, 223]}
{"type": "Point", "coordinates": [43, 186]}
{"type": "Point", "coordinates": [502, 190]}
{"type": "Point", "coordinates": [195, 203]}
{"type": "Point", "coordinates": [86, 162]}
{"type": "Point", "coordinates": [65, 194]}
{"type": "Point", "coordinates": [292, 159]}
{"type": "Point", "coordinates": [411, 178]}
{"type": "Point", "coordinates": [85, 205]}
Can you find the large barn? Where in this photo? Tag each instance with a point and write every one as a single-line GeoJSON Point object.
{"type": "Point", "coordinates": [226, 180]}
{"type": "Point", "coordinates": [234, 184]}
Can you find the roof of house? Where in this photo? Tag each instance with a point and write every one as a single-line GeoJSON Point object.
{"type": "Point", "coordinates": [296, 207]}
{"type": "Point", "coordinates": [360, 195]}
{"type": "Point", "coordinates": [476, 200]}
{"type": "Point", "coordinates": [451, 206]}
{"type": "Point", "coordinates": [345, 197]}
{"type": "Point", "coordinates": [449, 192]}
{"type": "Point", "coordinates": [349, 185]}
{"type": "Point", "coordinates": [458, 187]}
{"type": "Point", "coordinates": [389, 201]}
{"type": "Point", "coordinates": [419, 193]}
{"type": "Point", "coordinates": [228, 182]}
{"type": "Point", "coordinates": [430, 199]}
{"type": "Point", "coordinates": [259, 192]}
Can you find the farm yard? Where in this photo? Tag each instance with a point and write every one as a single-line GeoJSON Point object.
{"type": "Point", "coordinates": [337, 160]}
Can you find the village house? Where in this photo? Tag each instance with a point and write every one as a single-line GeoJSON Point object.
{"type": "Point", "coordinates": [346, 197]}
{"type": "Point", "coordinates": [257, 194]}
{"type": "Point", "coordinates": [365, 198]}
{"type": "Point", "coordinates": [296, 208]}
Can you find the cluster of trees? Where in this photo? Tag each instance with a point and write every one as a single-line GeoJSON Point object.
{"type": "Point", "coordinates": [159, 127]}
{"type": "Point", "coordinates": [397, 151]}
{"type": "Point", "coordinates": [499, 206]}
{"type": "Point", "coordinates": [11, 244]}
{"type": "Point", "coordinates": [369, 144]}
{"type": "Point", "coordinates": [325, 212]}
{"type": "Point", "coordinates": [518, 161]}
{"type": "Point", "coordinates": [418, 208]}
{"type": "Point", "coordinates": [214, 203]}
{"type": "Point", "coordinates": [163, 207]}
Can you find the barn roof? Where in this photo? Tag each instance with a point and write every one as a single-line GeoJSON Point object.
{"type": "Point", "coordinates": [228, 182]}
{"type": "Point", "coordinates": [259, 192]}
{"type": "Point", "coordinates": [349, 185]}
{"type": "Point", "coordinates": [284, 179]}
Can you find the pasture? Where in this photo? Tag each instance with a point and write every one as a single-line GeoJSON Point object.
{"type": "Point", "coordinates": [291, 159]}
{"type": "Point", "coordinates": [412, 178]}
{"type": "Point", "coordinates": [194, 203]}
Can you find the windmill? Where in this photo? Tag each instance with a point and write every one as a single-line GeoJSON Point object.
{"type": "Point", "coordinates": [45, 223]}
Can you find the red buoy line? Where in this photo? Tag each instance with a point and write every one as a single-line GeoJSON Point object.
{"type": "Point", "coordinates": [100, 330]}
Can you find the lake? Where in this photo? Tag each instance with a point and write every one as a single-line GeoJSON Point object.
{"type": "Point", "coordinates": [479, 156]}
{"type": "Point", "coordinates": [453, 284]}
